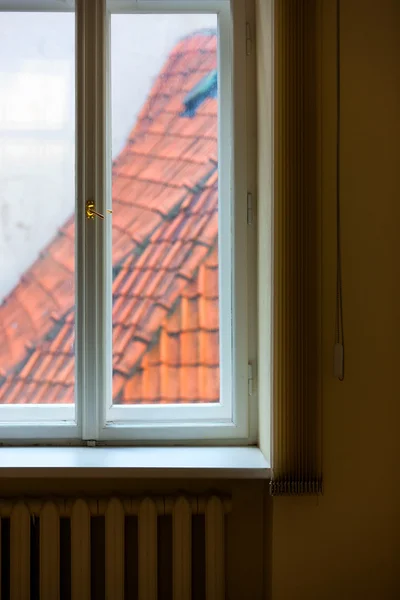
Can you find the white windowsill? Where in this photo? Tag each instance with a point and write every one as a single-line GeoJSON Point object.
{"type": "Point", "coordinates": [194, 463]}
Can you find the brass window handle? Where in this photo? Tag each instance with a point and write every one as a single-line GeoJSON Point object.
{"type": "Point", "coordinates": [91, 212]}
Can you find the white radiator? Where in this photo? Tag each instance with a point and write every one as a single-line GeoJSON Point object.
{"type": "Point", "coordinates": [39, 559]}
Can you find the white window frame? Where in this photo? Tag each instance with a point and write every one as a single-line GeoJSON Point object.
{"type": "Point", "coordinates": [232, 420]}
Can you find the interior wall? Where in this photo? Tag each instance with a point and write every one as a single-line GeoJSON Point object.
{"type": "Point", "coordinates": [346, 544]}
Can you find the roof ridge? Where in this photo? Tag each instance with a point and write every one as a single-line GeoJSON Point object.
{"type": "Point", "coordinates": [209, 31]}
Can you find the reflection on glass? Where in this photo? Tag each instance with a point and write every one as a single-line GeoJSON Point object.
{"type": "Point", "coordinates": [37, 147]}
{"type": "Point", "coordinates": [165, 209]}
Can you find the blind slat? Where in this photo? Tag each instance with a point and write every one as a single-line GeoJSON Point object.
{"type": "Point", "coordinates": [296, 406]}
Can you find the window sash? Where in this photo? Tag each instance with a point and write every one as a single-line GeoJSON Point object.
{"type": "Point", "coordinates": [230, 417]}
{"type": "Point", "coordinates": [24, 422]}
{"type": "Point", "coordinates": [93, 382]}
{"type": "Point", "coordinates": [136, 416]}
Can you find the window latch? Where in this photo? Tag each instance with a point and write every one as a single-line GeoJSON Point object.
{"type": "Point", "coordinates": [249, 41]}
{"type": "Point", "coordinates": [91, 212]}
{"type": "Point", "coordinates": [250, 378]}
{"type": "Point", "coordinates": [250, 209]}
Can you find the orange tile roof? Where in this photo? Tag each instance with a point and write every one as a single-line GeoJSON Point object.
{"type": "Point", "coordinates": [165, 262]}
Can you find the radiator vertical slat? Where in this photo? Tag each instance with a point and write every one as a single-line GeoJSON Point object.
{"type": "Point", "coordinates": [20, 531]}
{"type": "Point", "coordinates": [115, 547]}
{"type": "Point", "coordinates": [147, 539]}
{"type": "Point", "coordinates": [49, 552]}
{"type": "Point", "coordinates": [182, 549]}
{"type": "Point", "coordinates": [80, 551]}
{"type": "Point", "coordinates": [215, 551]}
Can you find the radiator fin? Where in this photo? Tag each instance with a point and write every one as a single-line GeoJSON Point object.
{"type": "Point", "coordinates": [49, 552]}
{"type": "Point", "coordinates": [148, 550]}
{"type": "Point", "coordinates": [215, 571]}
{"type": "Point", "coordinates": [182, 549]}
{"type": "Point", "coordinates": [20, 530]}
{"type": "Point", "coordinates": [80, 555]}
{"type": "Point", "coordinates": [131, 557]}
{"type": "Point", "coordinates": [115, 547]}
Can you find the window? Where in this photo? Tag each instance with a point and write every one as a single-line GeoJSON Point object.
{"type": "Point", "coordinates": [125, 312]}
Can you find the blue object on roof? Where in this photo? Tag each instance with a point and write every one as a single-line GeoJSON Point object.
{"type": "Point", "coordinates": [206, 88]}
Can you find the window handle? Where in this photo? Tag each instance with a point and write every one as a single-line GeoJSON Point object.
{"type": "Point", "coordinates": [91, 212]}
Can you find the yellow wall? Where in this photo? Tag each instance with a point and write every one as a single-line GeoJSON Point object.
{"type": "Point", "coordinates": [346, 545]}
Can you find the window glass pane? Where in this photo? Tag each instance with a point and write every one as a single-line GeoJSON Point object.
{"type": "Point", "coordinates": [37, 180]}
{"type": "Point", "coordinates": [165, 208]}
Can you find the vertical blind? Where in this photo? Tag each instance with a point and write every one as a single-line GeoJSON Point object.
{"type": "Point", "coordinates": [296, 421]}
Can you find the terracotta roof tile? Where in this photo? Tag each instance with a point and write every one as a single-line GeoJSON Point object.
{"type": "Point", "coordinates": [157, 197]}
{"type": "Point", "coordinates": [176, 147]}
{"type": "Point", "coordinates": [188, 61]}
{"type": "Point", "coordinates": [198, 149]}
{"type": "Point", "coordinates": [43, 365]}
{"type": "Point", "coordinates": [189, 349]}
{"type": "Point", "coordinates": [188, 384]}
{"type": "Point", "coordinates": [208, 108]}
{"type": "Point", "coordinates": [141, 222]}
{"type": "Point", "coordinates": [155, 317]}
{"type": "Point", "coordinates": [202, 125]}
{"type": "Point", "coordinates": [197, 254]}
{"type": "Point", "coordinates": [173, 324]}
{"type": "Point", "coordinates": [169, 348]}
{"type": "Point", "coordinates": [162, 123]}
{"type": "Point", "coordinates": [10, 391]}
{"type": "Point", "coordinates": [119, 184]}
{"type": "Point", "coordinates": [208, 282]}
{"type": "Point", "coordinates": [165, 262]}
{"type": "Point", "coordinates": [29, 367]}
{"type": "Point", "coordinates": [169, 385]}
{"type": "Point", "coordinates": [209, 385]}
{"type": "Point", "coordinates": [209, 314]}
{"type": "Point", "coordinates": [146, 143]}
{"type": "Point", "coordinates": [209, 348]}
{"type": "Point", "coordinates": [118, 383]}
{"type": "Point", "coordinates": [132, 168]}
{"type": "Point", "coordinates": [189, 314]}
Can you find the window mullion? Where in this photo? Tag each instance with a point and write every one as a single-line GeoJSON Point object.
{"type": "Point", "coordinates": [91, 179]}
